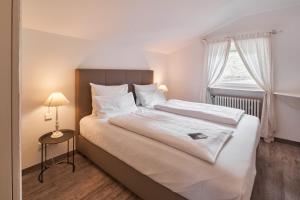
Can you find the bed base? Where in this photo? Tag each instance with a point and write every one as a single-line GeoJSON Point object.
{"type": "Point", "coordinates": [138, 183]}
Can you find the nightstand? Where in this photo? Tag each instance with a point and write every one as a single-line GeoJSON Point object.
{"type": "Point", "coordinates": [46, 139]}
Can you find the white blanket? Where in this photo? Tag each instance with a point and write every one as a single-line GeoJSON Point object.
{"type": "Point", "coordinates": [214, 113]}
{"type": "Point", "coordinates": [173, 131]}
{"type": "Point", "coordinates": [231, 177]}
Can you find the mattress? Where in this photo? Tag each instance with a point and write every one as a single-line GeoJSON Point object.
{"type": "Point", "coordinates": [231, 177]}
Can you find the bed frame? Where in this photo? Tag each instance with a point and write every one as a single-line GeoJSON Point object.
{"type": "Point", "coordinates": [138, 183]}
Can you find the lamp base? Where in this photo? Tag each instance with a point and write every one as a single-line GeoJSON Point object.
{"type": "Point", "coordinates": [56, 134]}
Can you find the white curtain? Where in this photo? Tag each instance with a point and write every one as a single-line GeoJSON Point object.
{"type": "Point", "coordinates": [255, 51]}
{"type": "Point", "coordinates": [216, 58]}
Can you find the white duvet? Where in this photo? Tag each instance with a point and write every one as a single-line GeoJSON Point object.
{"type": "Point", "coordinates": [174, 130]}
{"type": "Point", "coordinates": [231, 177]}
{"type": "Point", "coordinates": [214, 113]}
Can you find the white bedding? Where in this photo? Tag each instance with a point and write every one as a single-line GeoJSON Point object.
{"type": "Point", "coordinates": [174, 130]}
{"type": "Point", "coordinates": [214, 113]}
{"type": "Point", "coordinates": [231, 177]}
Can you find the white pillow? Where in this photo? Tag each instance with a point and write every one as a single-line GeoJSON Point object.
{"type": "Point", "coordinates": [105, 90]}
{"type": "Point", "coordinates": [107, 106]}
{"type": "Point", "coordinates": [108, 90]}
{"type": "Point", "coordinates": [152, 98]}
{"type": "Point", "coordinates": [143, 88]}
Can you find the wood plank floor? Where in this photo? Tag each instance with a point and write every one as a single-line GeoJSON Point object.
{"type": "Point", "coordinates": [278, 172]}
{"type": "Point", "coordinates": [278, 178]}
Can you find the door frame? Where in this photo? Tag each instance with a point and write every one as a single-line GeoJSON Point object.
{"type": "Point", "coordinates": [15, 96]}
{"type": "Point", "coordinates": [10, 184]}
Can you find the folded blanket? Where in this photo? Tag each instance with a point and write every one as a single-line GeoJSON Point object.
{"type": "Point", "coordinates": [174, 130]}
{"type": "Point", "coordinates": [214, 113]}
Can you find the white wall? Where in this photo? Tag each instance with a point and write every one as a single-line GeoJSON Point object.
{"type": "Point", "coordinates": [48, 63]}
{"type": "Point", "coordinates": [184, 72]}
{"type": "Point", "coordinates": [286, 51]}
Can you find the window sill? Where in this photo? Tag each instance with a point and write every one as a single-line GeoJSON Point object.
{"type": "Point", "coordinates": [250, 93]}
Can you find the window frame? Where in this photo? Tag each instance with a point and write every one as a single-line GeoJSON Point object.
{"type": "Point", "coordinates": [237, 86]}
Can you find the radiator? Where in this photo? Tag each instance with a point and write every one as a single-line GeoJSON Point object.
{"type": "Point", "coordinates": [250, 105]}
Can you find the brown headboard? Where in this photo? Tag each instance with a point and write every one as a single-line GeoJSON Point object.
{"type": "Point", "coordinates": [103, 77]}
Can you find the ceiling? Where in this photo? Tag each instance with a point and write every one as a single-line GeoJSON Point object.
{"type": "Point", "coordinates": [156, 25]}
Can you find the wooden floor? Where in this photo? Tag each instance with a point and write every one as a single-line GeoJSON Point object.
{"type": "Point", "coordinates": [278, 172]}
{"type": "Point", "coordinates": [278, 178]}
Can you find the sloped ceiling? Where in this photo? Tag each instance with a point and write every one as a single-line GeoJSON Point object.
{"type": "Point", "coordinates": [156, 25]}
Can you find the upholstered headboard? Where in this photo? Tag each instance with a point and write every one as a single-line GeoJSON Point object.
{"type": "Point", "coordinates": [83, 77]}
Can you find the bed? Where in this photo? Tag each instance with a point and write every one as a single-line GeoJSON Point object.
{"type": "Point", "coordinates": [133, 159]}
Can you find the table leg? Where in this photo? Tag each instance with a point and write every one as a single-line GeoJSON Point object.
{"type": "Point", "coordinates": [42, 164]}
{"type": "Point", "coordinates": [73, 154]}
{"type": "Point", "coordinates": [45, 155]}
{"type": "Point", "coordinates": [68, 152]}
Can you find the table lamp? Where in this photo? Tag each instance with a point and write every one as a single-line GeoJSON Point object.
{"type": "Point", "coordinates": [163, 88]}
{"type": "Point", "coordinates": [56, 99]}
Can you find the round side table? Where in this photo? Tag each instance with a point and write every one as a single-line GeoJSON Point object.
{"type": "Point", "coordinates": [46, 139]}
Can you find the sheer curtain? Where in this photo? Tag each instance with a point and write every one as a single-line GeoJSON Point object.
{"type": "Point", "coordinates": [255, 51]}
{"type": "Point", "coordinates": [216, 58]}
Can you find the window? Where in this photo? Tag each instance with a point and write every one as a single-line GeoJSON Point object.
{"type": "Point", "coordinates": [235, 75]}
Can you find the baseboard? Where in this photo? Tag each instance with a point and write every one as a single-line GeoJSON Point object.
{"type": "Point", "coordinates": [285, 141]}
{"type": "Point", "coordinates": [38, 166]}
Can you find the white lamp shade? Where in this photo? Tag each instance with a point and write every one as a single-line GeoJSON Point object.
{"type": "Point", "coordinates": [163, 88]}
{"type": "Point", "coordinates": [56, 99]}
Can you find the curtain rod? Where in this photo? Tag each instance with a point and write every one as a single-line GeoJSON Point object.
{"type": "Point", "coordinates": [272, 32]}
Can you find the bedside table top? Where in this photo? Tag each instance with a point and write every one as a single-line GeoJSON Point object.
{"type": "Point", "coordinates": [67, 134]}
